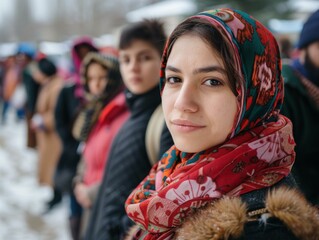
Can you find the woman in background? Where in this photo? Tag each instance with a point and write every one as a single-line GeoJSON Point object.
{"type": "Point", "coordinates": [70, 99]}
{"type": "Point", "coordinates": [98, 122]}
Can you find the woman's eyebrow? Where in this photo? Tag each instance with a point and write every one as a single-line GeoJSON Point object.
{"type": "Point", "coordinates": [199, 70]}
{"type": "Point", "coordinates": [143, 51]}
{"type": "Point", "coordinates": [173, 69]}
{"type": "Point", "coordinates": [207, 69]}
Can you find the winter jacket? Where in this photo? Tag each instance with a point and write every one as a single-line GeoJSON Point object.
{"type": "Point", "coordinates": [304, 114]}
{"type": "Point", "coordinates": [99, 142]}
{"type": "Point", "coordinates": [32, 87]}
{"type": "Point", "coordinates": [49, 144]}
{"type": "Point", "coordinates": [32, 90]}
{"type": "Point", "coordinates": [278, 212]}
{"type": "Point", "coordinates": [68, 105]}
{"type": "Point", "coordinates": [65, 111]}
{"type": "Point", "coordinates": [127, 165]}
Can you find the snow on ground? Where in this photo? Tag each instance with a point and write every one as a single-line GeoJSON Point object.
{"type": "Point", "coordinates": [21, 198]}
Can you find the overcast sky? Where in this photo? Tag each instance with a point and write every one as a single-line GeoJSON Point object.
{"type": "Point", "coordinates": [39, 9]}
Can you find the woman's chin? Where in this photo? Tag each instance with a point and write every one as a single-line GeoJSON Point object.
{"type": "Point", "coordinates": [189, 148]}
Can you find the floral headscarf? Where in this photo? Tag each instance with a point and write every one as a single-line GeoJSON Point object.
{"type": "Point", "coordinates": [258, 153]}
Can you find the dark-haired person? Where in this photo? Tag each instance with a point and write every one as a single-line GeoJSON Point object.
{"type": "Point", "coordinates": [49, 144]}
{"type": "Point", "coordinates": [140, 49]}
{"type": "Point", "coordinates": [25, 59]}
{"type": "Point", "coordinates": [69, 101]}
{"type": "Point", "coordinates": [301, 105]}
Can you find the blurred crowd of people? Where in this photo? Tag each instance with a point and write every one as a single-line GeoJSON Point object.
{"type": "Point", "coordinates": [89, 126]}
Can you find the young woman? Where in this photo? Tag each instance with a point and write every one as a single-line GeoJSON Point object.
{"type": "Point", "coordinates": [140, 48]}
{"type": "Point", "coordinates": [97, 123]}
{"type": "Point", "coordinates": [222, 92]}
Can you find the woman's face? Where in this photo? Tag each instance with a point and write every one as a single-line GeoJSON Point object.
{"type": "Point", "coordinates": [97, 79]}
{"type": "Point", "coordinates": [199, 106]}
{"type": "Point", "coordinates": [140, 65]}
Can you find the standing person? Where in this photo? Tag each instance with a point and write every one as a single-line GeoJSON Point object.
{"type": "Point", "coordinates": [222, 92]}
{"type": "Point", "coordinates": [301, 105]}
{"type": "Point", "coordinates": [49, 145]}
{"type": "Point", "coordinates": [69, 101]}
{"type": "Point", "coordinates": [25, 58]}
{"type": "Point", "coordinates": [140, 49]}
{"type": "Point", "coordinates": [11, 80]}
{"type": "Point", "coordinates": [98, 122]}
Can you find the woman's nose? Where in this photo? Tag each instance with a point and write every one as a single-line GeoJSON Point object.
{"type": "Point", "coordinates": [134, 64]}
{"type": "Point", "coordinates": [186, 100]}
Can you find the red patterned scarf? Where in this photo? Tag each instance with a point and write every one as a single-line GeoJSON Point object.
{"type": "Point", "coordinates": [256, 159]}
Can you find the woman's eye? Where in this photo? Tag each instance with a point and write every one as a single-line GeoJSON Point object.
{"type": "Point", "coordinates": [145, 57]}
{"type": "Point", "coordinates": [172, 80]}
{"type": "Point", "coordinates": [213, 82]}
{"type": "Point", "coordinates": [124, 60]}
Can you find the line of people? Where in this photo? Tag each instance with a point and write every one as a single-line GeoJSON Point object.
{"type": "Point", "coordinates": [232, 124]}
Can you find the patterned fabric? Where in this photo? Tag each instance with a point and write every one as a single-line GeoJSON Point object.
{"type": "Point", "coordinates": [258, 153]}
{"type": "Point", "coordinates": [87, 117]}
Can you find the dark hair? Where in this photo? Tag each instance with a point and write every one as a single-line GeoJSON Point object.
{"type": "Point", "coordinates": [148, 30]}
{"type": "Point", "coordinates": [47, 67]}
{"type": "Point", "coordinates": [91, 48]}
{"type": "Point", "coordinates": [214, 39]}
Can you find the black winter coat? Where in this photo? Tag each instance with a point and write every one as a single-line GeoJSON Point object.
{"type": "Point", "coordinates": [65, 112]}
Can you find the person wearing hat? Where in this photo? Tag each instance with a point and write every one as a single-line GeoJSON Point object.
{"type": "Point", "coordinates": [25, 55]}
{"type": "Point", "coordinates": [69, 101]}
{"type": "Point", "coordinates": [301, 105]}
{"type": "Point", "coordinates": [48, 141]}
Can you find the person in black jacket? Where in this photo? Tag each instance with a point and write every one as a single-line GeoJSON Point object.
{"type": "Point", "coordinates": [68, 104]}
{"type": "Point", "coordinates": [140, 50]}
{"type": "Point", "coordinates": [301, 105]}
{"type": "Point", "coordinates": [25, 57]}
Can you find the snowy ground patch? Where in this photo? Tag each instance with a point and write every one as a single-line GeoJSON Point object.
{"type": "Point", "coordinates": [21, 198]}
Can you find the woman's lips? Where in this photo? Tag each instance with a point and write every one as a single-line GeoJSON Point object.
{"type": "Point", "coordinates": [185, 125]}
{"type": "Point", "coordinates": [136, 80]}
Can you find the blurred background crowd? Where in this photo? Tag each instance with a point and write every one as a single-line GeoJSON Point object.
{"type": "Point", "coordinates": [47, 48]}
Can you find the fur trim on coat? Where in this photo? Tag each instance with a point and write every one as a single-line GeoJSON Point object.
{"type": "Point", "coordinates": [226, 217]}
